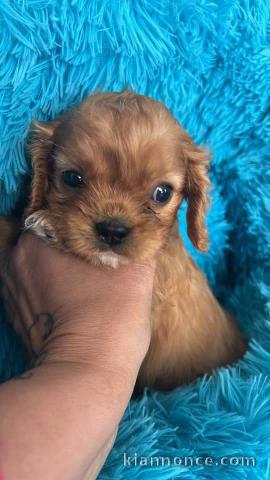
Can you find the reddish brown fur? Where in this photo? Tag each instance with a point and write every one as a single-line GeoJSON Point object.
{"type": "Point", "coordinates": [124, 145]}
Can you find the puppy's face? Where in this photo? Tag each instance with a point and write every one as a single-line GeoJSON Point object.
{"type": "Point", "coordinates": [109, 177]}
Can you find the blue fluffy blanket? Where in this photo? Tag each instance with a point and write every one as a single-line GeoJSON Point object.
{"type": "Point", "coordinates": [209, 61]}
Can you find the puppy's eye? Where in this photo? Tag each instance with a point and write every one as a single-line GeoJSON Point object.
{"type": "Point", "coordinates": [72, 178]}
{"type": "Point", "coordinates": [162, 193]}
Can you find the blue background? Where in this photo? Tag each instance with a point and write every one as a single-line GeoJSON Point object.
{"type": "Point", "coordinates": [209, 61]}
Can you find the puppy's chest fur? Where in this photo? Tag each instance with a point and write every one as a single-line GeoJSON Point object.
{"type": "Point", "coordinates": [191, 333]}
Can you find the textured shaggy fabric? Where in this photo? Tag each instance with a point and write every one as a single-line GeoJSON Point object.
{"type": "Point", "coordinates": [209, 61]}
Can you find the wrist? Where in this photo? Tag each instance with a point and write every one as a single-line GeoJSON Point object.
{"type": "Point", "coordinates": [99, 338]}
{"type": "Point", "coordinates": [115, 358]}
{"type": "Point", "coordinates": [92, 381]}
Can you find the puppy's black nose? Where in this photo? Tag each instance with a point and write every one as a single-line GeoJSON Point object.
{"type": "Point", "coordinates": [112, 232]}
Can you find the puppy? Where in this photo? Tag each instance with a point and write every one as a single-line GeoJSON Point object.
{"type": "Point", "coordinates": [108, 179]}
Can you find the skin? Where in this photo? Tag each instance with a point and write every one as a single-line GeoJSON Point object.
{"type": "Point", "coordinates": [86, 331]}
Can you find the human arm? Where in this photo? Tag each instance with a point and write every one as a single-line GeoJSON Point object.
{"type": "Point", "coordinates": [64, 412]}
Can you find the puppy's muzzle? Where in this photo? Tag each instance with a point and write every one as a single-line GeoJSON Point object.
{"type": "Point", "coordinates": [112, 232]}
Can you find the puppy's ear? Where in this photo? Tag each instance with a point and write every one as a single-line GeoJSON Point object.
{"type": "Point", "coordinates": [40, 147]}
{"type": "Point", "coordinates": [196, 191]}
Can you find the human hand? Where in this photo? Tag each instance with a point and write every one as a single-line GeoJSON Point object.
{"type": "Point", "coordinates": [55, 300]}
{"type": "Point", "coordinates": [87, 331]}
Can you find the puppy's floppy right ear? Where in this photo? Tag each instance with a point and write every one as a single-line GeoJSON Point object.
{"type": "Point", "coordinates": [196, 188]}
{"type": "Point", "coordinates": [40, 147]}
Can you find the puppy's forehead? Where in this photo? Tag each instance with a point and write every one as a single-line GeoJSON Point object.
{"type": "Point", "coordinates": [143, 144]}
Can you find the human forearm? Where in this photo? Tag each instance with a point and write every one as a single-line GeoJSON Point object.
{"type": "Point", "coordinates": [87, 331]}
{"type": "Point", "coordinates": [55, 417]}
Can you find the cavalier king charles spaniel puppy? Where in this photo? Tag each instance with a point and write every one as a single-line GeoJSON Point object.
{"type": "Point", "coordinates": [108, 179]}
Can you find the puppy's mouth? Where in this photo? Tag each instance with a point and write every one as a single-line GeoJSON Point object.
{"type": "Point", "coordinates": [111, 259]}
